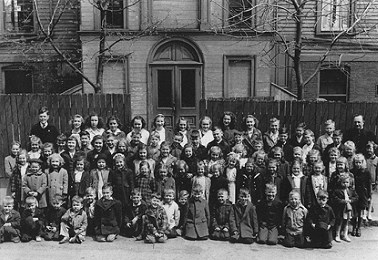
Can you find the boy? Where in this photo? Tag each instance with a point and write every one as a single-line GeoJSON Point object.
{"type": "Point", "coordinates": [198, 216]}
{"type": "Point", "coordinates": [293, 220]}
{"type": "Point", "coordinates": [155, 222]}
{"type": "Point", "coordinates": [218, 181]}
{"type": "Point", "coordinates": [9, 221]}
{"type": "Point", "coordinates": [32, 220]}
{"type": "Point", "coordinates": [133, 218]}
{"type": "Point", "coordinates": [269, 213]}
{"type": "Point", "coordinates": [47, 133]}
{"type": "Point", "coordinates": [173, 214]}
{"type": "Point", "coordinates": [222, 218]}
{"type": "Point", "coordinates": [220, 142]}
{"type": "Point", "coordinates": [85, 142]}
{"type": "Point", "coordinates": [183, 208]}
{"type": "Point", "coordinates": [245, 219]}
{"type": "Point", "coordinates": [321, 219]}
{"type": "Point", "coordinates": [198, 149]}
{"type": "Point", "coordinates": [108, 216]}
{"type": "Point", "coordinates": [89, 204]}
{"type": "Point", "coordinates": [372, 162]}
{"type": "Point", "coordinates": [53, 219]}
{"type": "Point", "coordinates": [74, 223]}
{"type": "Point", "coordinates": [176, 148]}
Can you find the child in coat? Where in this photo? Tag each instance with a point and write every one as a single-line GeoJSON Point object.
{"type": "Point", "coordinates": [89, 203]}
{"type": "Point", "coordinates": [371, 163]}
{"type": "Point", "coordinates": [202, 180]}
{"type": "Point", "coordinates": [164, 180]}
{"type": "Point", "coordinates": [53, 219]}
{"type": "Point", "coordinates": [10, 221]}
{"type": "Point", "coordinates": [245, 219]}
{"type": "Point", "coordinates": [108, 216]}
{"type": "Point", "coordinates": [218, 181]}
{"type": "Point", "coordinates": [198, 216]}
{"type": "Point", "coordinates": [173, 213]}
{"type": "Point", "coordinates": [10, 160]}
{"type": "Point", "coordinates": [18, 174]}
{"type": "Point", "coordinates": [321, 219]}
{"type": "Point", "coordinates": [155, 221]}
{"type": "Point", "coordinates": [183, 208]}
{"type": "Point", "coordinates": [145, 182]}
{"type": "Point", "coordinates": [100, 175]}
{"type": "Point", "coordinates": [222, 218]}
{"type": "Point", "coordinates": [293, 221]}
{"type": "Point", "coordinates": [231, 172]}
{"type": "Point", "coordinates": [57, 177]}
{"type": "Point", "coordinates": [32, 219]}
{"type": "Point", "coordinates": [134, 213]}
{"type": "Point", "coordinates": [183, 177]}
{"type": "Point", "coordinates": [269, 214]}
{"type": "Point", "coordinates": [74, 223]}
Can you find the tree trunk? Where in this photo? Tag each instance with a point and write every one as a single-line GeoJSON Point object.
{"type": "Point", "coordinates": [298, 52]}
{"type": "Point", "coordinates": [100, 60]}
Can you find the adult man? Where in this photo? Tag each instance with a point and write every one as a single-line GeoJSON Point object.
{"type": "Point", "coordinates": [359, 135]}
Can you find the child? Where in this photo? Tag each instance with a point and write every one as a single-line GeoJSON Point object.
{"type": "Point", "coordinates": [182, 176]}
{"type": "Point", "coordinates": [189, 157]}
{"type": "Point", "coordinates": [330, 163]}
{"type": "Point", "coordinates": [85, 142]}
{"type": "Point", "coordinates": [245, 219]}
{"type": "Point", "coordinates": [293, 221]}
{"type": "Point", "coordinates": [74, 223]}
{"type": "Point", "coordinates": [309, 145]}
{"type": "Point", "coordinates": [227, 123]}
{"type": "Point", "coordinates": [111, 144]}
{"type": "Point", "coordinates": [206, 135]}
{"type": "Point", "coordinates": [173, 214]}
{"type": "Point", "coordinates": [176, 148]}
{"type": "Point", "coordinates": [183, 127]}
{"type": "Point", "coordinates": [57, 178]}
{"type": "Point", "coordinates": [134, 213]}
{"type": "Point", "coordinates": [270, 137]}
{"type": "Point", "coordinates": [342, 169]}
{"type": "Point", "coordinates": [269, 213]}
{"type": "Point", "coordinates": [273, 177]}
{"type": "Point", "coordinates": [10, 160]}
{"type": "Point", "coordinates": [43, 129]}
{"type": "Point", "coordinates": [80, 179]}
{"type": "Point", "coordinates": [313, 156]}
{"type": "Point", "coordinates": [315, 183]}
{"type": "Point", "coordinates": [164, 180]}
{"type": "Point", "coordinates": [18, 174]}
{"type": "Point", "coordinates": [239, 148]}
{"type": "Point", "coordinates": [10, 221]}
{"type": "Point", "coordinates": [363, 189]}
{"type": "Point", "coordinates": [114, 128]}
{"type": "Point", "coordinates": [251, 133]}
{"type": "Point", "coordinates": [145, 182]}
{"type": "Point", "coordinates": [222, 218]}
{"type": "Point", "coordinates": [166, 157]}
{"type": "Point", "coordinates": [295, 181]}
{"type": "Point", "coordinates": [216, 156]}
{"type": "Point", "coordinates": [344, 200]}
{"type": "Point", "coordinates": [337, 138]}
{"type": "Point", "coordinates": [53, 218]}
{"type": "Point", "coordinates": [138, 125]}
{"type": "Point", "coordinates": [76, 122]}
{"type": "Point", "coordinates": [349, 152]}
{"type": "Point", "coordinates": [133, 147]}
{"type": "Point", "coordinates": [98, 148]}
{"type": "Point", "coordinates": [32, 219]}
{"type": "Point", "coordinates": [252, 177]}
{"type": "Point", "coordinates": [47, 150]}
{"type": "Point", "coordinates": [201, 180]}
{"type": "Point", "coordinates": [218, 181]}
{"type": "Point", "coordinates": [61, 143]}
{"type": "Point", "coordinates": [35, 183]}
{"type": "Point", "coordinates": [371, 165]}
{"type": "Point", "coordinates": [100, 175]}
{"type": "Point", "coordinates": [297, 139]}
{"type": "Point", "coordinates": [35, 147]}
{"type": "Point", "coordinates": [108, 216]}
{"type": "Point", "coordinates": [158, 126]}
{"type": "Point", "coordinates": [155, 222]}
{"type": "Point", "coordinates": [321, 219]}
{"type": "Point", "coordinates": [94, 125]}
{"type": "Point", "coordinates": [199, 150]}
{"type": "Point", "coordinates": [231, 173]}
{"type": "Point", "coordinates": [198, 216]}
{"type": "Point", "coordinates": [142, 157]}
{"type": "Point", "coordinates": [287, 148]}
{"type": "Point", "coordinates": [219, 141]}
{"type": "Point", "coordinates": [326, 139]}
{"type": "Point", "coordinates": [183, 208]}
{"type": "Point", "coordinates": [153, 148]}
{"type": "Point", "coordinates": [89, 203]}
{"type": "Point", "coordinates": [283, 166]}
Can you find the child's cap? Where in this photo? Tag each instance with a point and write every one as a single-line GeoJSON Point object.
{"type": "Point", "coordinates": [322, 194]}
{"type": "Point", "coordinates": [35, 160]}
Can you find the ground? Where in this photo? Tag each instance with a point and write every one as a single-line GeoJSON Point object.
{"type": "Point", "coordinates": [361, 248]}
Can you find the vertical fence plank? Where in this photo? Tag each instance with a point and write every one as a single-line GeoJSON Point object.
{"type": "Point", "coordinates": [3, 135]}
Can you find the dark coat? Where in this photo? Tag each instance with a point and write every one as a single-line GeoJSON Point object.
{"type": "Point", "coordinates": [362, 180]}
{"type": "Point", "coordinates": [287, 149]}
{"type": "Point", "coordinates": [248, 141]}
{"type": "Point", "coordinates": [223, 145]}
{"type": "Point", "coordinates": [135, 211]}
{"type": "Point", "coordinates": [222, 216]}
{"type": "Point", "coordinates": [47, 134]}
{"type": "Point", "coordinates": [246, 220]}
{"type": "Point", "coordinates": [54, 216]}
{"type": "Point", "coordinates": [269, 215]}
{"type": "Point", "coordinates": [123, 183]}
{"type": "Point", "coordinates": [317, 215]}
{"type": "Point", "coordinates": [338, 202]}
{"type": "Point", "coordinates": [16, 186]}
{"type": "Point", "coordinates": [108, 217]}
{"type": "Point", "coordinates": [310, 197]}
{"type": "Point", "coordinates": [216, 184]}
{"type": "Point", "coordinates": [287, 187]}
{"type": "Point", "coordinates": [197, 219]}
{"type": "Point", "coordinates": [294, 142]}
{"type": "Point", "coordinates": [360, 138]}
{"type": "Point", "coordinates": [14, 219]}
{"type": "Point", "coordinates": [277, 180]}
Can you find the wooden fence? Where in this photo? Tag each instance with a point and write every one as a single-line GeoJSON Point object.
{"type": "Point", "coordinates": [290, 113]}
{"type": "Point", "coordinates": [19, 112]}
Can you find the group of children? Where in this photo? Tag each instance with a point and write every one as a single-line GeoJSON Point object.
{"type": "Point", "coordinates": [214, 182]}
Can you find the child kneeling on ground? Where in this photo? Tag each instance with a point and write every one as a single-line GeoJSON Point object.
{"type": "Point", "coordinates": [10, 221]}
{"type": "Point", "coordinates": [74, 223]}
{"type": "Point", "coordinates": [173, 213]}
{"type": "Point", "coordinates": [54, 218]}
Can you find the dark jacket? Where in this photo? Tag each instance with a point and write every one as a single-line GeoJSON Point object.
{"type": "Point", "coordinates": [108, 217]}
{"type": "Point", "coordinates": [216, 184]}
{"type": "Point", "coordinates": [360, 138]}
{"type": "Point", "coordinates": [223, 145]}
{"type": "Point", "coordinates": [317, 215]}
{"type": "Point", "coordinates": [135, 211]}
{"type": "Point", "coordinates": [269, 215]}
{"type": "Point", "coordinates": [14, 219]}
{"type": "Point", "coordinates": [197, 220]}
{"type": "Point", "coordinates": [54, 216]}
{"type": "Point", "coordinates": [310, 196]}
{"type": "Point", "coordinates": [47, 134]}
{"type": "Point", "coordinates": [287, 187]}
{"type": "Point", "coordinates": [277, 180]}
{"type": "Point", "coordinates": [339, 204]}
{"type": "Point", "coordinates": [362, 180]}
{"type": "Point", "coordinates": [222, 216]}
{"type": "Point", "coordinates": [123, 183]}
{"type": "Point", "coordinates": [246, 220]}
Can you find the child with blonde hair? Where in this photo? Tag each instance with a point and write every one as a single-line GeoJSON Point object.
{"type": "Point", "coordinates": [57, 177]}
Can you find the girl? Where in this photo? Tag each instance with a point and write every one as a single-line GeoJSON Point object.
{"type": "Point", "coordinates": [218, 181]}
{"type": "Point", "coordinates": [114, 124]}
{"type": "Point", "coordinates": [76, 123]}
{"type": "Point", "coordinates": [313, 156]}
{"type": "Point", "coordinates": [297, 139]}
{"type": "Point", "coordinates": [57, 178]}
{"type": "Point", "coordinates": [216, 156]}
{"type": "Point", "coordinates": [145, 182]}
{"type": "Point", "coordinates": [183, 127]}
{"type": "Point", "coordinates": [18, 174]}
{"type": "Point", "coordinates": [158, 126]}
{"type": "Point", "coordinates": [69, 153]}
{"type": "Point", "coordinates": [227, 123]}
{"type": "Point", "coordinates": [316, 182]}
{"type": "Point", "coordinates": [98, 148]}
{"type": "Point", "coordinates": [251, 133]}
{"type": "Point", "coordinates": [61, 143]}
{"type": "Point", "coordinates": [349, 152]}
{"type": "Point", "coordinates": [309, 138]}
{"type": "Point", "coordinates": [342, 169]}
{"type": "Point", "coordinates": [272, 177]}
{"type": "Point", "coordinates": [206, 135]}
{"type": "Point", "coordinates": [343, 205]}
{"type": "Point", "coordinates": [10, 160]}
{"type": "Point", "coordinates": [326, 139]}
{"type": "Point", "coordinates": [47, 150]}
{"type": "Point", "coordinates": [201, 180]}
{"type": "Point", "coordinates": [138, 125]}
{"type": "Point", "coordinates": [231, 173]}
{"type": "Point", "coordinates": [330, 165]}
{"type": "Point", "coordinates": [35, 183]}
{"type": "Point", "coordinates": [283, 166]}
{"type": "Point", "coordinates": [35, 147]}
{"type": "Point", "coordinates": [94, 125]}
{"type": "Point", "coordinates": [99, 176]}
{"type": "Point", "coordinates": [363, 190]}
{"type": "Point", "coordinates": [188, 156]}
{"type": "Point", "coordinates": [165, 156]}
{"type": "Point", "coordinates": [80, 178]}
{"type": "Point", "coordinates": [142, 157]}
{"type": "Point", "coordinates": [153, 149]}
{"type": "Point", "coordinates": [183, 176]}
{"type": "Point", "coordinates": [296, 180]}
{"type": "Point", "coordinates": [122, 180]}
{"type": "Point", "coordinates": [164, 180]}
{"type": "Point", "coordinates": [297, 153]}
{"type": "Point", "coordinates": [259, 158]}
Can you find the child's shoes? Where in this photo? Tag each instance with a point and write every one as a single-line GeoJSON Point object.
{"type": "Point", "coordinates": [64, 240]}
{"type": "Point", "coordinates": [72, 240]}
{"type": "Point", "coordinates": [358, 232]}
{"type": "Point", "coordinates": [111, 237]}
{"type": "Point", "coordinates": [346, 239]}
{"type": "Point", "coordinates": [15, 239]}
{"type": "Point", "coordinates": [101, 239]}
{"type": "Point", "coordinates": [337, 239]}
{"type": "Point", "coordinates": [38, 239]}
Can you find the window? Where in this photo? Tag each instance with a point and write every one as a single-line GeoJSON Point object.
{"type": "Point", "coordinates": [18, 16]}
{"type": "Point", "coordinates": [239, 76]}
{"type": "Point", "coordinates": [334, 84]}
{"type": "Point", "coordinates": [116, 74]}
{"type": "Point", "coordinates": [18, 80]}
{"type": "Point", "coordinates": [115, 14]}
{"type": "Point", "coordinates": [240, 13]}
{"type": "Point", "coordinates": [334, 15]}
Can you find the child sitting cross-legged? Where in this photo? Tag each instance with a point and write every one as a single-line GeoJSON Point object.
{"type": "Point", "coordinates": [222, 217]}
{"type": "Point", "coordinates": [53, 218]}
{"type": "Point", "coordinates": [173, 213]}
{"type": "Point", "coordinates": [74, 223]}
{"type": "Point", "coordinates": [32, 219]}
{"type": "Point", "coordinates": [155, 222]}
{"type": "Point", "coordinates": [134, 214]}
{"type": "Point", "coordinates": [108, 216]}
{"type": "Point", "coordinates": [9, 221]}
{"type": "Point", "coordinates": [245, 219]}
